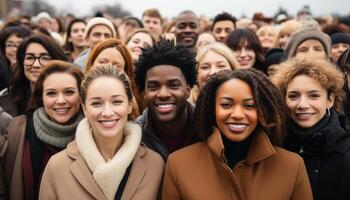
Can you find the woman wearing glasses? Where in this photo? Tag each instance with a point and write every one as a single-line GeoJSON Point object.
{"type": "Point", "coordinates": [32, 55]}
{"type": "Point", "coordinates": [47, 127]}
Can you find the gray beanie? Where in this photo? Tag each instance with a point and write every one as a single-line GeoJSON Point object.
{"type": "Point", "coordinates": [307, 34]}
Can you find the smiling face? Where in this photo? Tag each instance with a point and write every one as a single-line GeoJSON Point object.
{"type": "Point", "coordinates": [187, 29]}
{"type": "Point", "coordinates": [235, 110]}
{"type": "Point", "coordinates": [112, 56]}
{"type": "Point", "coordinates": [11, 46]}
{"type": "Point", "coordinates": [267, 38]}
{"type": "Point", "coordinates": [166, 92]}
{"type": "Point", "coordinates": [137, 42]}
{"type": "Point", "coordinates": [107, 108]}
{"type": "Point", "coordinates": [33, 52]}
{"type": "Point", "coordinates": [61, 97]}
{"type": "Point", "coordinates": [210, 64]}
{"type": "Point", "coordinates": [307, 101]}
{"type": "Point", "coordinates": [245, 56]}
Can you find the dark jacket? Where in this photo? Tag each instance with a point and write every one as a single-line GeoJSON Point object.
{"type": "Point", "coordinates": [152, 141]}
{"type": "Point", "coordinates": [5, 74]}
{"type": "Point", "coordinates": [325, 149]}
{"type": "Point", "coordinates": [8, 104]}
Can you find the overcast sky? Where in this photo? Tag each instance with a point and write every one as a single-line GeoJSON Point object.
{"type": "Point", "coordinates": [170, 8]}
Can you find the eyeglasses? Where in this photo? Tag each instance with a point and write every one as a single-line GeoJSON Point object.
{"type": "Point", "coordinates": [29, 60]}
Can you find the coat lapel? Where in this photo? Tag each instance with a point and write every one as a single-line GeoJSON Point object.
{"type": "Point", "coordinates": [82, 173]}
{"type": "Point", "coordinates": [137, 173]}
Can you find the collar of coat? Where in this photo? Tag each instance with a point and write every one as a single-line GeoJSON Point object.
{"type": "Point", "coordinates": [260, 148]}
{"type": "Point", "coordinates": [107, 175]}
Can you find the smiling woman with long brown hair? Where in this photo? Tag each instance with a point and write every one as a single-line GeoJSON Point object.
{"type": "Point", "coordinates": [48, 126]}
{"type": "Point", "coordinates": [239, 118]}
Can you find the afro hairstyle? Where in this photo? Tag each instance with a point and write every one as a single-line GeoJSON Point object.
{"type": "Point", "coordinates": [165, 52]}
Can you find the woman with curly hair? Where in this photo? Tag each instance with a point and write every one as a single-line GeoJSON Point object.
{"type": "Point", "coordinates": [313, 93]}
{"type": "Point", "coordinates": [239, 118]}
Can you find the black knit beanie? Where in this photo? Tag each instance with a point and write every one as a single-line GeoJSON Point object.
{"type": "Point", "coordinates": [340, 38]}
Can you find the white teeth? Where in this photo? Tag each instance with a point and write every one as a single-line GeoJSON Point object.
{"type": "Point", "coordinates": [237, 126]}
{"type": "Point", "coordinates": [61, 110]}
{"type": "Point", "coordinates": [165, 106]}
{"type": "Point", "coordinates": [107, 122]}
{"type": "Point", "coordinates": [304, 115]}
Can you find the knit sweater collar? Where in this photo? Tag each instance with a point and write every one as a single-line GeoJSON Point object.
{"type": "Point", "coordinates": [108, 175]}
{"type": "Point", "coordinates": [51, 132]}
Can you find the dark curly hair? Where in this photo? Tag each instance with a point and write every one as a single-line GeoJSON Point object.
{"type": "Point", "coordinates": [165, 52]}
{"type": "Point", "coordinates": [270, 107]}
{"type": "Point", "coordinates": [224, 16]}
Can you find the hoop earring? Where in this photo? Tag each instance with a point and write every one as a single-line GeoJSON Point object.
{"type": "Point", "coordinates": [328, 112]}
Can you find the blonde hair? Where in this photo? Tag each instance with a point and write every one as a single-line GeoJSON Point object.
{"type": "Point", "coordinates": [140, 30]}
{"type": "Point", "coordinates": [321, 70]}
{"type": "Point", "coordinates": [267, 29]}
{"type": "Point", "coordinates": [219, 48]}
{"type": "Point", "coordinates": [287, 28]}
{"type": "Point", "coordinates": [110, 71]}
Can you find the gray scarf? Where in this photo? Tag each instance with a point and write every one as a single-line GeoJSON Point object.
{"type": "Point", "coordinates": [52, 133]}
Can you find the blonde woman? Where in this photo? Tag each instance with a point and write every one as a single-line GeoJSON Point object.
{"type": "Point", "coordinates": [211, 59]}
{"type": "Point", "coordinates": [107, 159]}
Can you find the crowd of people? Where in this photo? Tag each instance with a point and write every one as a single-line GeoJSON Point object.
{"type": "Point", "coordinates": [187, 108]}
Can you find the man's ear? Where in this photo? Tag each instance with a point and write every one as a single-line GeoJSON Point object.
{"type": "Point", "coordinates": [188, 89]}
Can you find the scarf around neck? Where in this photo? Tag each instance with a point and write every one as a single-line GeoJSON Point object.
{"type": "Point", "coordinates": [318, 139]}
{"type": "Point", "coordinates": [51, 132]}
{"type": "Point", "coordinates": [108, 175]}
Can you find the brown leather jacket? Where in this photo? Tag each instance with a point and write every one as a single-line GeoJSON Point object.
{"type": "Point", "coordinates": [200, 171]}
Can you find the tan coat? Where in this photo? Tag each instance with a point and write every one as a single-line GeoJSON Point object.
{"type": "Point", "coordinates": [199, 172]}
{"type": "Point", "coordinates": [14, 157]}
{"type": "Point", "coordinates": [67, 176]}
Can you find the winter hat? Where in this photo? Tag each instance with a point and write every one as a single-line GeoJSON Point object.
{"type": "Point", "coordinates": [99, 21]}
{"type": "Point", "coordinates": [43, 15]}
{"type": "Point", "coordinates": [139, 23]}
{"type": "Point", "coordinates": [340, 38]}
{"type": "Point", "coordinates": [274, 56]}
{"type": "Point", "coordinates": [307, 34]}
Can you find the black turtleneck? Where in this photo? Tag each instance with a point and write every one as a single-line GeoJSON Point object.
{"type": "Point", "coordinates": [236, 151]}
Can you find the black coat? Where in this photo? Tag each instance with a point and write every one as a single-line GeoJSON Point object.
{"type": "Point", "coordinates": [152, 141]}
{"type": "Point", "coordinates": [326, 152]}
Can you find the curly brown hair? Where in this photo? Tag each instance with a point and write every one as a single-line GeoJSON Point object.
{"type": "Point", "coordinates": [321, 70]}
{"type": "Point", "coordinates": [270, 107]}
